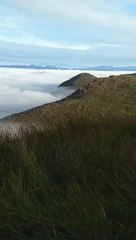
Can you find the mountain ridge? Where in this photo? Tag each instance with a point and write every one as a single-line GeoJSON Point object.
{"type": "Point", "coordinates": [79, 80]}
{"type": "Point", "coordinates": [89, 68]}
{"type": "Point", "coordinates": [111, 95]}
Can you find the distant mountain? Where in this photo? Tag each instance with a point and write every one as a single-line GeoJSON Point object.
{"type": "Point", "coordinates": [109, 68]}
{"type": "Point", "coordinates": [32, 66]}
{"type": "Point", "coordinates": [79, 81]}
{"type": "Point", "coordinates": [92, 68]}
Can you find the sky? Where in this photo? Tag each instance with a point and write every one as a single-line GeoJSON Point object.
{"type": "Point", "coordinates": [68, 33]}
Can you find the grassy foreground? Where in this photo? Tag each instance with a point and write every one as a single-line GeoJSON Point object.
{"type": "Point", "coordinates": [73, 182]}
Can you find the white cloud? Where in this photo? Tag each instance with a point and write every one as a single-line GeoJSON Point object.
{"type": "Point", "coordinates": [22, 89]}
{"type": "Point", "coordinates": [30, 40]}
{"type": "Point", "coordinates": [103, 13]}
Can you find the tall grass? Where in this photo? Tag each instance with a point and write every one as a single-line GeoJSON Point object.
{"type": "Point", "coordinates": [76, 181]}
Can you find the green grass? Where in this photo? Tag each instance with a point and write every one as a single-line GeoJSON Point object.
{"type": "Point", "coordinates": [75, 181]}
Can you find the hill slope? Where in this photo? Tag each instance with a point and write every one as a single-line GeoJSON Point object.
{"type": "Point", "coordinates": [113, 95]}
{"type": "Point", "coordinates": [79, 80]}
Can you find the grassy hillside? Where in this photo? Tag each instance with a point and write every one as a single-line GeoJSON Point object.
{"type": "Point", "coordinates": [115, 96]}
{"type": "Point", "coordinates": [78, 81]}
{"type": "Point", "coordinates": [72, 174]}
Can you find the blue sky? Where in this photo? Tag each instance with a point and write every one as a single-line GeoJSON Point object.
{"type": "Point", "coordinates": [68, 32]}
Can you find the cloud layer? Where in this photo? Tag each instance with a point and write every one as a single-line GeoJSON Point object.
{"type": "Point", "coordinates": [22, 89]}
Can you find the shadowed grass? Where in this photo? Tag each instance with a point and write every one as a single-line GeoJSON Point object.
{"type": "Point", "coordinates": [74, 181]}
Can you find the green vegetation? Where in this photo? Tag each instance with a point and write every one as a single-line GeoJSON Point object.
{"type": "Point", "coordinates": [73, 178]}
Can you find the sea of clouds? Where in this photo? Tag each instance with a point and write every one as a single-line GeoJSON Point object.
{"type": "Point", "coordinates": [22, 89]}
